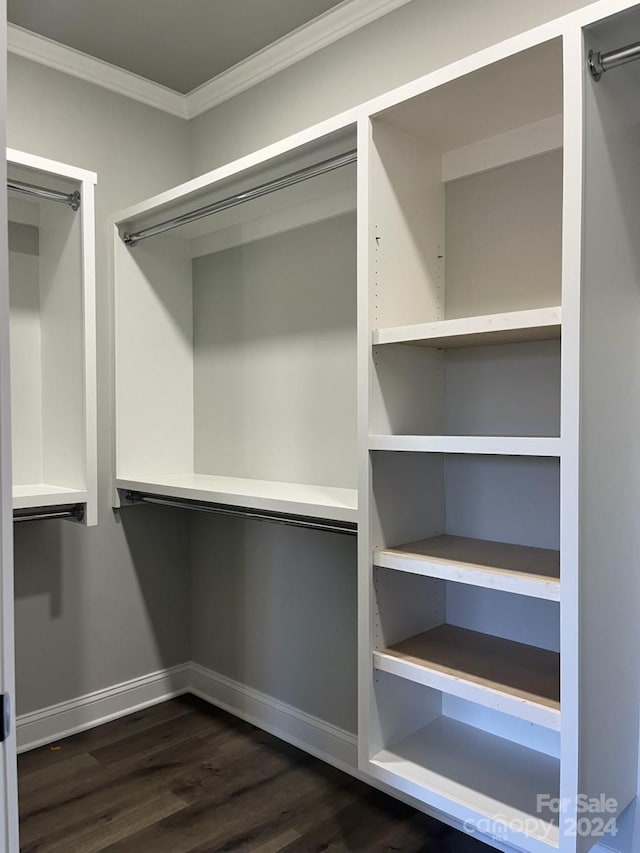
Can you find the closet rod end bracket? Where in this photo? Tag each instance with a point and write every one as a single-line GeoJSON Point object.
{"type": "Point", "coordinates": [74, 200]}
{"type": "Point", "coordinates": [595, 65]}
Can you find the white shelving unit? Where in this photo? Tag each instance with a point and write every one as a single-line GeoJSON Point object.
{"type": "Point", "coordinates": [489, 346]}
{"type": "Point", "coordinates": [236, 340]}
{"type": "Point", "coordinates": [52, 293]}
{"type": "Point", "coordinates": [490, 463]}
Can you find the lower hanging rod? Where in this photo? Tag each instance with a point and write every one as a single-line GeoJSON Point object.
{"type": "Point", "coordinates": [72, 199]}
{"type": "Point", "coordinates": [328, 525]}
{"type": "Point", "coordinates": [242, 197]}
{"type": "Point", "coordinates": [601, 62]}
{"type": "Point", "coordinates": [74, 512]}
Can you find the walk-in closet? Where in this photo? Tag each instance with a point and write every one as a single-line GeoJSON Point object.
{"type": "Point", "coordinates": [319, 417]}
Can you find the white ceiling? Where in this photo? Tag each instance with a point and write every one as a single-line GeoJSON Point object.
{"type": "Point", "coordinates": [177, 43]}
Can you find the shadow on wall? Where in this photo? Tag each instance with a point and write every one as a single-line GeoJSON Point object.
{"type": "Point", "coordinates": [158, 540]}
{"type": "Point", "coordinates": [275, 609]}
{"type": "Point", "coordinates": [39, 559]}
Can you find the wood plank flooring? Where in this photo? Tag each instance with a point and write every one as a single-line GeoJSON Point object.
{"type": "Point", "coordinates": [183, 777]}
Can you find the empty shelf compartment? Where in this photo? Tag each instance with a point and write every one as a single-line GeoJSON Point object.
{"type": "Point", "coordinates": [474, 775]}
{"type": "Point", "coordinates": [511, 677]}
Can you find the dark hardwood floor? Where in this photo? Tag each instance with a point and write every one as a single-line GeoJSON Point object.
{"type": "Point", "coordinates": [183, 777]}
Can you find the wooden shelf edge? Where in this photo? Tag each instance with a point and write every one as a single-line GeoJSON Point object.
{"type": "Point", "coordinates": [511, 327]}
{"type": "Point", "coordinates": [518, 569]}
{"type": "Point", "coordinates": [516, 679]}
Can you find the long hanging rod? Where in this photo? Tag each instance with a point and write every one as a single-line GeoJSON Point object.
{"type": "Point", "coordinates": [601, 62]}
{"type": "Point", "coordinates": [240, 198]}
{"type": "Point", "coordinates": [71, 511]}
{"type": "Point", "coordinates": [72, 199]}
{"type": "Point", "coordinates": [346, 527]}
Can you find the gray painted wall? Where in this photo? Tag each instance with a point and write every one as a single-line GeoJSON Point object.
{"type": "Point", "coordinates": [97, 606]}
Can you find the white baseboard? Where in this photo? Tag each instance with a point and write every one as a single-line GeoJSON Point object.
{"type": "Point", "coordinates": [67, 718]}
{"type": "Point", "coordinates": [327, 742]}
{"type": "Point", "coordinates": [315, 736]}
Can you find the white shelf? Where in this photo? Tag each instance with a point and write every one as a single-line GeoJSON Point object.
{"type": "Point", "coordinates": [510, 677]}
{"type": "Point", "coordinates": [538, 324]}
{"type": "Point", "coordinates": [45, 494]}
{"type": "Point", "coordinates": [481, 444]}
{"type": "Point", "coordinates": [534, 572]}
{"type": "Point", "coordinates": [292, 498]}
{"type": "Point", "coordinates": [461, 769]}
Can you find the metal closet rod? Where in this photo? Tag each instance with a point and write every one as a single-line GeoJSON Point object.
{"type": "Point", "coordinates": [72, 199]}
{"type": "Point", "coordinates": [71, 511]}
{"type": "Point", "coordinates": [240, 198]}
{"type": "Point", "coordinates": [601, 62]}
{"type": "Point", "coordinates": [330, 526]}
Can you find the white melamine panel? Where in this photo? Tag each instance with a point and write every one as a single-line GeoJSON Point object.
{"type": "Point", "coordinates": [274, 344]}
{"type": "Point", "coordinates": [291, 498]}
{"type": "Point", "coordinates": [512, 327]}
{"type": "Point", "coordinates": [406, 230]}
{"type": "Point", "coordinates": [512, 389]}
{"type": "Point", "coordinates": [609, 484]}
{"type": "Point", "coordinates": [44, 494]}
{"type": "Point", "coordinates": [407, 498]}
{"type": "Point", "coordinates": [488, 101]}
{"type": "Point", "coordinates": [492, 721]}
{"type": "Point", "coordinates": [26, 360]}
{"type": "Point", "coordinates": [62, 321]}
{"type": "Point", "coordinates": [490, 445]}
{"type": "Point", "coordinates": [406, 605]}
{"type": "Point", "coordinates": [519, 144]}
{"type": "Point", "coordinates": [503, 238]}
{"type": "Point", "coordinates": [407, 391]}
{"type": "Point", "coordinates": [398, 708]}
{"type": "Point", "coordinates": [154, 358]}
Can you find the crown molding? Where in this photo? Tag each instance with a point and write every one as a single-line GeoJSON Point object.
{"type": "Point", "coordinates": [44, 51]}
{"type": "Point", "coordinates": [322, 31]}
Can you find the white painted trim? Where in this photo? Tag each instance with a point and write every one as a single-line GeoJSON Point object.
{"type": "Point", "coordinates": [315, 736]}
{"type": "Point", "coordinates": [90, 377]}
{"type": "Point", "coordinates": [43, 164]}
{"type": "Point", "coordinates": [51, 53]}
{"type": "Point", "coordinates": [322, 31]}
{"type": "Point", "coordinates": [67, 718]}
